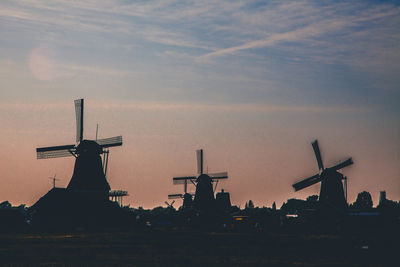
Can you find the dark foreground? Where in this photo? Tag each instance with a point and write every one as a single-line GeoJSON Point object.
{"type": "Point", "coordinates": [179, 248]}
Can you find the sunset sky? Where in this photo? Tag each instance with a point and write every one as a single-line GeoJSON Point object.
{"type": "Point", "coordinates": [253, 83]}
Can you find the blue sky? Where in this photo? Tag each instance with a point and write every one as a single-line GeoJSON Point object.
{"type": "Point", "coordinates": [286, 72]}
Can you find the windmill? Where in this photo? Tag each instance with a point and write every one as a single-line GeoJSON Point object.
{"type": "Point", "coordinates": [331, 192]}
{"type": "Point", "coordinates": [89, 172]}
{"type": "Point", "coordinates": [170, 205]}
{"type": "Point", "coordinates": [204, 196]}
{"type": "Point", "coordinates": [187, 197]}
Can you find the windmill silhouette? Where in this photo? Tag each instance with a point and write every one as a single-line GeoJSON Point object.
{"type": "Point", "coordinates": [204, 199]}
{"type": "Point", "coordinates": [331, 192]}
{"type": "Point", "coordinates": [89, 172]}
{"type": "Point", "coordinates": [170, 205]}
{"type": "Point", "coordinates": [186, 197]}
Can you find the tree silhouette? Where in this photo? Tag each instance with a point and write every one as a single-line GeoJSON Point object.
{"type": "Point", "coordinates": [249, 205]}
{"type": "Point", "coordinates": [363, 201]}
{"type": "Point", "coordinates": [313, 198]}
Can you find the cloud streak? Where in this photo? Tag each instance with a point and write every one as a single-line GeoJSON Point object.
{"type": "Point", "coordinates": [292, 36]}
{"type": "Point", "coordinates": [159, 106]}
{"type": "Point", "coordinates": [159, 22]}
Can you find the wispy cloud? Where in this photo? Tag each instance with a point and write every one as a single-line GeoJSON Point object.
{"type": "Point", "coordinates": [293, 36]}
{"type": "Point", "coordinates": [100, 17]}
{"type": "Point", "coordinates": [220, 27]}
{"type": "Point", "coordinates": [318, 22]}
{"type": "Point", "coordinates": [161, 106]}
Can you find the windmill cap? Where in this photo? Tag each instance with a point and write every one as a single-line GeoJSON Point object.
{"type": "Point", "coordinates": [203, 176]}
{"type": "Point", "coordinates": [88, 146]}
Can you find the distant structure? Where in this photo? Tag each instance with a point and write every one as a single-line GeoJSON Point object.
{"type": "Point", "coordinates": [205, 183]}
{"type": "Point", "coordinates": [331, 194]}
{"type": "Point", "coordinates": [382, 198]}
{"type": "Point", "coordinates": [88, 185]}
{"type": "Point", "coordinates": [170, 205]}
{"type": "Point", "coordinates": [117, 195]}
{"type": "Point", "coordinates": [223, 200]}
{"type": "Point", "coordinates": [186, 197]}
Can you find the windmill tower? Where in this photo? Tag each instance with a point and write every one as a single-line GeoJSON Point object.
{"type": "Point", "coordinates": [204, 199]}
{"type": "Point", "coordinates": [89, 172]}
{"type": "Point", "coordinates": [331, 192]}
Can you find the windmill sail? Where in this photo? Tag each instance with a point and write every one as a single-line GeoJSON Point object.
{"type": "Point", "coordinates": [199, 161]}
{"type": "Point", "coordinates": [55, 151]}
{"type": "Point", "coordinates": [79, 119]}
{"type": "Point", "coordinates": [343, 164]}
{"type": "Point", "coordinates": [219, 175]}
{"type": "Point", "coordinates": [307, 182]}
{"type": "Point", "coordinates": [109, 142]}
{"type": "Point", "coordinates": [318, 154]}
{"type": "Point", "coordinates": [182, 180]}
{"type": "Point", "coordinates": [175, 196]}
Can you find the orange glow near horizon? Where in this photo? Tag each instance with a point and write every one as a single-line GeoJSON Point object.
{"type": "Point", "coordinates": [263, 152]}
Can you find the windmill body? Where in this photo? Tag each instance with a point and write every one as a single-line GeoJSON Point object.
{"type": "Point", "coordinates": [88, 172]}
{"type": "Point", "coordinates": [204, 199]}
{"type": "Point", "coordinates": [331, 194]}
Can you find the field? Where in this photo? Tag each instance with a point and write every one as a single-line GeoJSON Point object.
{"type": "Point", "coordinates": [179, 248]}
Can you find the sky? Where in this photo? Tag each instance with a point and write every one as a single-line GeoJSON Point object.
{"type": "Point", "coordinates": [253, 83]}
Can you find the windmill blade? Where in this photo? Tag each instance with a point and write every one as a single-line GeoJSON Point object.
{"type": "Point", "coordinates": [318, 154]}
{"type": "Point", "coordinates": [55, 151]}
{"type": "Point", "coordinates": [109, 142]}
{"type": "Point", "coordinates": [181, 180]}
{"type": "Point", "coordinates": [79, 119]}
{"type": "Point", "coordinates": [199, 154]}
{"type": "Point", "coordinates": [55, 154]}
{"type": "Point", "coordinates": [219, 175]}
{"type": "Point", "coordinates": [175, 196]}
{"type": "Point", "coordinates": [307, 182]}
{"type": "Point", "coordinates": [54, 148]}
{"type": "Point", "coordinates": [184, 178]}
{"type": "Point", "coordinates": [343, 164]}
